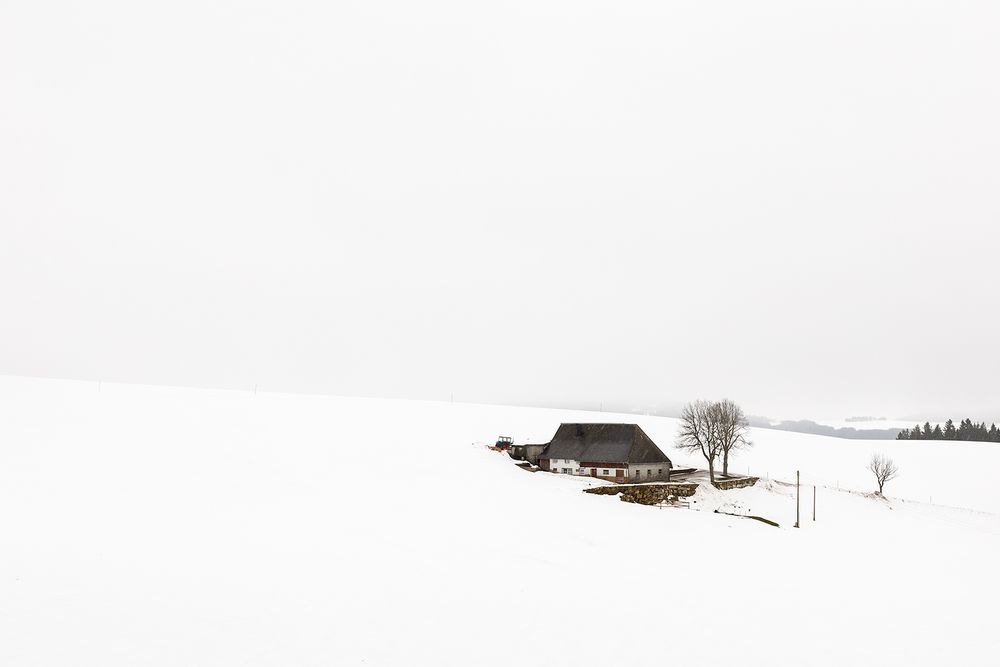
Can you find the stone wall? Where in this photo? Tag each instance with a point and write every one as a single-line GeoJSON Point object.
{"type": "Point", "coordinates": [737, 483]}
{"type": "Point", "coordinates": [646, 494]}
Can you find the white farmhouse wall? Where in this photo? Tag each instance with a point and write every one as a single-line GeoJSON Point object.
{"type": "Point", "coordinates": [648, 471]}
{"type": "Point", "coordinates": [611, 471]}
{"type": "Point", "coordinates": [561, 465]}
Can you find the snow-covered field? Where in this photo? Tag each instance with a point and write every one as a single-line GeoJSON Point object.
{"type": "Point", "coordinates": [160, 526]}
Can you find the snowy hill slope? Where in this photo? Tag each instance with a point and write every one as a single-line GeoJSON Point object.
{"type": "Point", "coordinates": [161, 526]}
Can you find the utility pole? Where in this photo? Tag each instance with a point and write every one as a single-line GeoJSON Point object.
{"type": "Point", "coordinates": [796, 498]}
{"type": "Point", "coordinates": [814, 502]}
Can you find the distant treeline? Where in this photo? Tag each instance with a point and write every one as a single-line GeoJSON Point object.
{"type": "Point", "coordinates": [965, 431]}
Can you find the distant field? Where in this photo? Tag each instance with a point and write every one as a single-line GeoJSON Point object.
{"type": "Point", "coordinates": [877, 423]}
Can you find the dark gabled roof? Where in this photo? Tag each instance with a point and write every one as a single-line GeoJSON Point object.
{"type": "Point", "coordinates": [603, 443]}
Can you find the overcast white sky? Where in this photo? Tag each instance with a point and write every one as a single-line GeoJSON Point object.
{"type": "Point", "coordinates": [793, 204]}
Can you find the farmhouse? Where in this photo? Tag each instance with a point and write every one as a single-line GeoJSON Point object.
{"type": "Point", "coordinates": [616, 452]}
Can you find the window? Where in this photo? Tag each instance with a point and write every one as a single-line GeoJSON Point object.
{"type": "Point", "coordinates": [649, 472]}
{"type": "Point", "coordinates": [660, 471]}
{"type": "Point", "coordinates": [636, 473]}
{"type": "Point", "coordinates": [604, 472]}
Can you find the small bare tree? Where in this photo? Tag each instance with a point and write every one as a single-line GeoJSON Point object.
{"type": "Point", "coordinates": [883, 468]}
{"type": "Point", "coordinates": [698, 433]}
{"type": "Point", "coordinates": [732, 428]}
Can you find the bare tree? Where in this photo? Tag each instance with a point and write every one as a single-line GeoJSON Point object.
{"type": "Point", "coordinates": [732, 429]}
{"type": "Point", "coordinates": [883, 468]}
{"type": "Point", "coordinates": [698, 433]}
